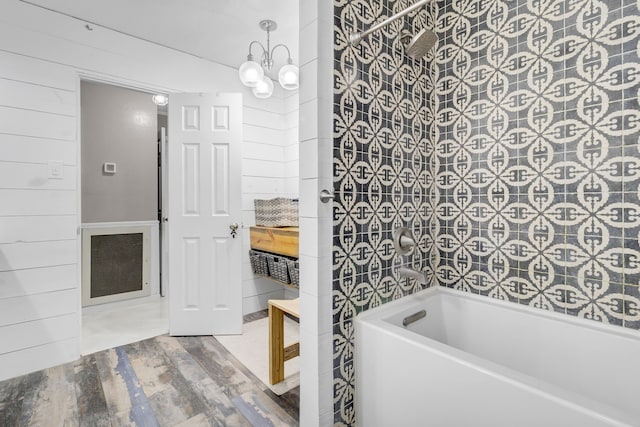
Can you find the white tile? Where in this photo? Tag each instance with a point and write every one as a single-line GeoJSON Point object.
{"type": "Point", "coordinates": [326, 417]}
{"type": "Point", "coordinates": [325, 11]}
{"type": "Point", "coordinates": [325, 158]}
{"type": "Point", "coordinates": [316, 353]}
{"type": "Point", "coordinates": [309, 201]}
{"type": "Point", "coordinates": [308, 236]}
{"type": "Point", "coordinates": [309, 158]}
{"type": "Point", "coordinates": [317, 313]}
{"type": "Point", "coordinates": [309, 81]}
{"type": "Point", "coordinates": [325, 235]}
{"type": "Point", "coordinates": [309, 42]}
{"type": "Point", "coordinates": [308, 274]}
{"type": "Point", "coordinates": [325, 46]}
{"type": "Point", "coordinates": [316, 159]}
{"type": "Point", "coordinates": [309, 388]}
{"type": "Point", "coordinates": [325, 354]}
{"type": "Point", "coordinates": [309, 321]}
{"type": "Point", "coordinates": [324, 111]}
{"type": "Point", "coordinates": [316, 275]}
{"type": "Point", "coordinates": [325, 403]}
{"type": "Point", "coordinates": [309, 11]}
{"type": "Point", "coordinates": [308, 125]}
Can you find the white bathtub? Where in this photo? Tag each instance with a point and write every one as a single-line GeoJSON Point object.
{"type": "Point", "coordinates": [477, 361]}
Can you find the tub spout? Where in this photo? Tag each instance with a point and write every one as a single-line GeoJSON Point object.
{"type": "Point", "coordinates": [409, 272]}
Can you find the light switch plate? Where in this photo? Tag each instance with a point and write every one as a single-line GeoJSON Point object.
{"type": "Point", "coordinates": [55, 169]}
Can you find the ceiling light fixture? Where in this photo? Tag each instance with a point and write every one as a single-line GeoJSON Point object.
{"type": "Point", "coordinates": [160, 99]}
{"type": "Point", "coordinates": [252, 73]}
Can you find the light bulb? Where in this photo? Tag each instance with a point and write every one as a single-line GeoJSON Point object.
{"type": "Point", "coordinates": [264, 88]}
{"type": "Point", "coordinates": [250, 73]}
{"type": "Point", "coordinates": [288, 77]}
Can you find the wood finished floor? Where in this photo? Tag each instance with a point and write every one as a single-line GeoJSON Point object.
{"type": "Point", "coordinates": [163, 381]}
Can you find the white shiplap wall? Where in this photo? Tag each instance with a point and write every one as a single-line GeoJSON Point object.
{"type": "Point", "coordinates": [42, 55]}
{"type": "Point", "coordinates": [270, 166]}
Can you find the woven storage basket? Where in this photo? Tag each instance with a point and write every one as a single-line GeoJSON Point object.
{"type": "Point", "coordinates": [258, 263]}
{"type": "Point", "coordinates": [278, 268]}
{"type": "Point", "coordinates": [278, 212]}
{"type": "Point", "coordinates": [294, 272]}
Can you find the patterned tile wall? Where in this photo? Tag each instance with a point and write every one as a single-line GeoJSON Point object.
{"type": "Point", "coordinates": [518, 167]}
{"type": "Point", "coordinates": [382, 123]}
{"type": "Point", "coordinates": [538, 158]}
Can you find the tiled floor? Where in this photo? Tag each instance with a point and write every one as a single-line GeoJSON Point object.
{"type": "Point", "coordinates": [162, 381]}
{"type": "Point", "coordinates": [111, 325]}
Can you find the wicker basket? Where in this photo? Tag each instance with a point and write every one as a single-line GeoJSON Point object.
{"type": "Point", "coordinates": [294, 272]}
{"type": "Point", "coordinates": [278, 268]}
{"type": "Point", "coordinates": [259, 263]}
{"type": "Point", "coordinates": [278, 212]}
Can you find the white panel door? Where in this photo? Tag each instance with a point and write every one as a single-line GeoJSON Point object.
{"type": "Point", "coordinates": [205, 136]}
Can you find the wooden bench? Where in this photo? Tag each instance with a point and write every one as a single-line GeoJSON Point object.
{"type": "Point", "coordinates": [278, 353]}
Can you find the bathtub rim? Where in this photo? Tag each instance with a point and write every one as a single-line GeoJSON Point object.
{"type": "Point", "coordinates": [378, 319]}
{"type": "Point", "coordinates": [391, 308]}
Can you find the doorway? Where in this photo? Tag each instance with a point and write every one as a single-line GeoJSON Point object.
{"type": "Point", "coordinates": [121, 206]}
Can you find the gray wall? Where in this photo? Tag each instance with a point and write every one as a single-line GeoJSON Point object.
{"type": "Point", "coordinates": [120, 126]}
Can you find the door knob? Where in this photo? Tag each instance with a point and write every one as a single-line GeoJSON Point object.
{"type": "Point", "coordinates": [234, 229]}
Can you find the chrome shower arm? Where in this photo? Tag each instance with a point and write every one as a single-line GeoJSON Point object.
{"type": "Point", "coordinates": [356, 38]}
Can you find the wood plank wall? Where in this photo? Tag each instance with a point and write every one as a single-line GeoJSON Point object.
{"type": "Point", "coordinates": [38, 216]}
{"type": "Point", "coordinates": [42, 55]}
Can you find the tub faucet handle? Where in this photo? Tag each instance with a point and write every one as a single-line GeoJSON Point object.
{"type": "Point", "coordinates": [403, 240]}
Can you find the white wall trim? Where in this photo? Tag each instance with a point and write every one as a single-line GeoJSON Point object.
{"type": "Point", "coordinates": [119, 224]}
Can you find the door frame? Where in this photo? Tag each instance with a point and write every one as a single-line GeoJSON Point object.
{"type": "Point", "coordinates": [114, 81]}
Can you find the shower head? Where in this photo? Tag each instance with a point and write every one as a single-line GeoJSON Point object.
{"type": "Point", "coordinates": [421, 43]}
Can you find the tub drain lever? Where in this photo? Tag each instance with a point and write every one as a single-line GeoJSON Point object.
{"type": "Point", "coordinates": [414, 317]}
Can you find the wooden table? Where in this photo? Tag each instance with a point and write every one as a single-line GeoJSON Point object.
{"type": "Point", "coordinates": [277, 240]}
{"type": "Point", "coordinates": [278, 353]}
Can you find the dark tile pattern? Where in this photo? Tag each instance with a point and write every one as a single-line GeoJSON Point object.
{"type": "Point", "coordinates": [546, 111]}
{"type": "Point", "coordinates": [383, 133]}
{"type": "Point", "coordinates": [513, 153]}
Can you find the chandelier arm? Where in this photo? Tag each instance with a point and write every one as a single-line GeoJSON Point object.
{"type": "Point", "coordinates": [289, 60]}
{"type": "Point", "coordinates": [259, 44]}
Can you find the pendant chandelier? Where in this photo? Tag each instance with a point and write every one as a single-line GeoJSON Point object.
{"type": "Point", "coordinates": [252, 73]}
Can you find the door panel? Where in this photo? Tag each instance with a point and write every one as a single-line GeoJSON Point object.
{"type": "Point", "coordinates": [191, 179]}
{"type": "Point", "coordinates": [205, 136]}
